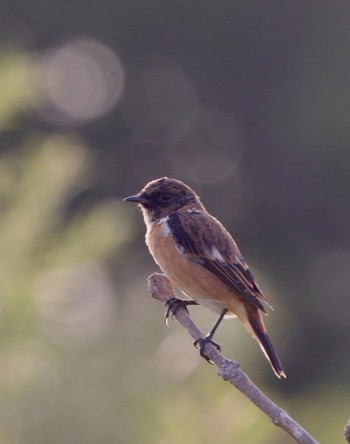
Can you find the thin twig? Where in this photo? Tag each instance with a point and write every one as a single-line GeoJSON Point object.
{"type": "Point", "coordinates": [161, 288]}
{"type": "Point", "coordinates": [347, 431]}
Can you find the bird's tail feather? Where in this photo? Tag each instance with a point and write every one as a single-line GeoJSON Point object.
{"type": "Point", "coordinates": [266, 345]}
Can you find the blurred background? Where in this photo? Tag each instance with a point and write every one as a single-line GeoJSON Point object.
{"type": "Point", "coordinates": [248, 103]}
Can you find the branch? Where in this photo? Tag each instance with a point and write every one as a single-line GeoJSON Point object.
{"type": "Point", "coordinates": [347, 432]}
{"type": "Point", "coordinates": [161, 288]}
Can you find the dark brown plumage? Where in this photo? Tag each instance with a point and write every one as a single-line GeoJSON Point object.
{"type": "Point", "coordinates": [200, 257]}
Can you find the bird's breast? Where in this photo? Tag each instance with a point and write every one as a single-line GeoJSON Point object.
{"type": "Point", "coordinates": [192, 278]}
{"type": "Point", "coordinates": [166, 253]}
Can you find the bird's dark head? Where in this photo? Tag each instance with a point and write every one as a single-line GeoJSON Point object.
{"type": "Point", "coordinates": [161, 197]}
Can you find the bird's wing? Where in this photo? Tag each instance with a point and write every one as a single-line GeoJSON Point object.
{"type": "Point", "coordinates": [203, 239]}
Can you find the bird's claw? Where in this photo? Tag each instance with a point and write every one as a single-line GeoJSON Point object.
{"type": "Point", "coordinates": [173, 304]}
{"type": "Point", "coordinates": [201, 343]}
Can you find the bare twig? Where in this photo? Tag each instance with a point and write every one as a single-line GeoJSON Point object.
{"type": "Point", "coordinates": [347, 432]}
{"type": "Point", "coordinates": [161, 288]}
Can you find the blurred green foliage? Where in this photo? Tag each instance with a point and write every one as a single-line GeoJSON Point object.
{"type": "Point", "coordinates": [48, 264]}
{"type": "Point", "coordinates": [19, 89]}
{"type": "Point", "coordinates": [250, 105]}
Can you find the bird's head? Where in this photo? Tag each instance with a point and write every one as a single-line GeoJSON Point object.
{"type": "Point", "coordinates": [161, 197]}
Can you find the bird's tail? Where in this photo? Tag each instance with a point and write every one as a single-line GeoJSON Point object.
{"type": "Point", "coordinates": [264, 341]}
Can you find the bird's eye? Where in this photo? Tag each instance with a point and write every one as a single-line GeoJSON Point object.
{"type": "Point", "coordinates": [165, 197]}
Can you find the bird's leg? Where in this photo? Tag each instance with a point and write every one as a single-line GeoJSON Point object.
{"type": "Point", "coordinates": [200, 343]}
{"type": "Point", "coordinates": [173, 304]}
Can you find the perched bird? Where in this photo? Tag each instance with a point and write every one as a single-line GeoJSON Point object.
{"type": "Point", "coordinates": [199, 256]}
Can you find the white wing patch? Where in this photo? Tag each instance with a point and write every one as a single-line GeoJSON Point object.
{"type": "Point", "coordinates": [216, 254]}
{"type": "Point", "coordinates": [193, 211]}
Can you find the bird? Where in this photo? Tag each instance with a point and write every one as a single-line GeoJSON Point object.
{"type": "Point", "coordinates": [200, 257]}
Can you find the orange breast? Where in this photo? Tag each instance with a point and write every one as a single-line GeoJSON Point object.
{"type": "Point", "coordinates": [193, 279]}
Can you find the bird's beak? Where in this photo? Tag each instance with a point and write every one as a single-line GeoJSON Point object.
{"type": "Point", "coordinates": [137, 199]}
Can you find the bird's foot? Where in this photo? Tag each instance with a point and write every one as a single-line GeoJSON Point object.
{"type": "Point", "coordinates": [173, 304]}
{"type": "Point", "coordinates": [201, 343]}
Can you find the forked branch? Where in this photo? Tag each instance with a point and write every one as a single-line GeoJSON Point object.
{"type": "Point", "coordinates": [161, 288]}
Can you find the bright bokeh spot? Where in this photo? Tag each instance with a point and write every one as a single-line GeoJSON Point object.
{"type": "Point", "coordinates": [82, 80]}
{"type": "Point", "coordinates": [76, 305]}
{"type": "Point", "coordinates": [159, 94]}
